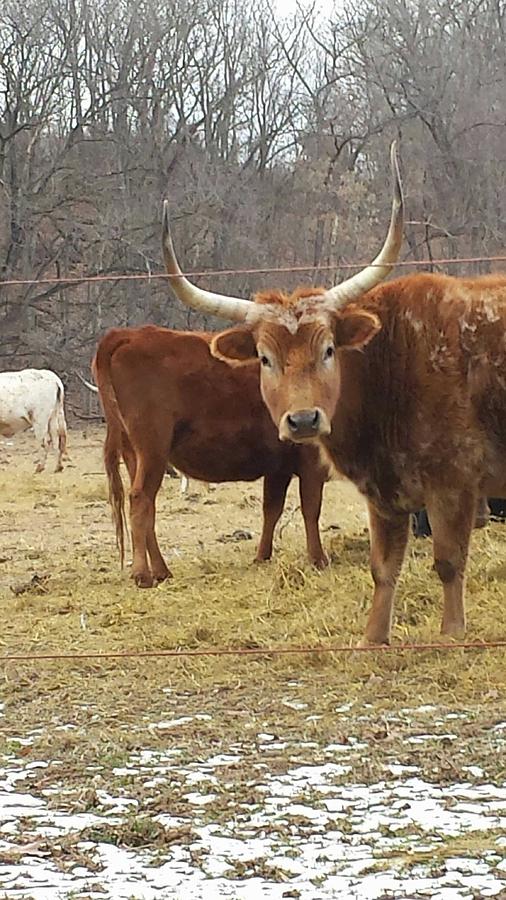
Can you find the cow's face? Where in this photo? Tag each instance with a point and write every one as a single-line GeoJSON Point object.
{"type": "Point", "coordinates": [301, 354]}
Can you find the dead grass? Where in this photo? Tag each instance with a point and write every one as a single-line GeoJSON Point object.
{"type": "Point", "coordinates": [57, 543]}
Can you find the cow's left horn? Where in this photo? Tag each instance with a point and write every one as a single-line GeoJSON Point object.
{"type": "Point", "coordinates": [363, 281]}
{"type": "Point", "coordinates": [233, 308]}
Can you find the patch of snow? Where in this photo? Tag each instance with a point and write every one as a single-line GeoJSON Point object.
{"type": "Point", "coordinates": [294, 704]}
{"type": "Point", "coordinates": [323, 837]}
{"type": "Point", "coordinates": [182, 720]}
{"type": "Point", "coordinates": [398, 769]}
{"type": "Point", "coordinates": [199, 799]}
{"type": "Point", "coordinates": [475, 771]}
{"type": "Point", "coordinates": [117, 805]}
{"type": "Point", "coordinates": [423, 738]}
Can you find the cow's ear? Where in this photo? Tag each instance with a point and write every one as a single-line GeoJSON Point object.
{"type": "Point", "coordinates": [236, 346]}
{"type": "Point", "coordinates": [355, 328]}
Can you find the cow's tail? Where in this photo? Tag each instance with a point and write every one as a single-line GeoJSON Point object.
{"type": "Point", "coordinates": [61, 424]}
{"type": "Point", "coordinates": [57, 426]}
{"type": "Point", "coordinates": [101, 368]}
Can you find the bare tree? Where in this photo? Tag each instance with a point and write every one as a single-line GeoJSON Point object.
{"type": "Point", "coordinates": [269, 136]}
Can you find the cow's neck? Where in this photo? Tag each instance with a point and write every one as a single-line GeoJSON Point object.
{"type": "Point", "coordinates": [370, 427]}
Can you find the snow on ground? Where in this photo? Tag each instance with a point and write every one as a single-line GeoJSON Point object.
{"type": "Point", "coordinates": [313, 835]}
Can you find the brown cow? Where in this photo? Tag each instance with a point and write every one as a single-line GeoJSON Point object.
{"type": "Point", "coordinates": [166, 399]}
{"type": "Point", "coordinates": [404, 384]}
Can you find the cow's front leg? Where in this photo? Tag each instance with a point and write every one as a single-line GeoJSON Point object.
{"type": "Point", "coordinates": [274, 495]}
{"type": "Point", "coordinates": [389, 536]}
{"type": "Point", "coordinates": [311, 481]}
{"type": "Point", "coordinates": [452, 516]}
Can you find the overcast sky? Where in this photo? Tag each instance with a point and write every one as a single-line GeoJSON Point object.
{"type": "Point", "coordinates": [286, 7]}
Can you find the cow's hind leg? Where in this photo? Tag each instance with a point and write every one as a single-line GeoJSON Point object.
{"type": "Point", "coordinates": [389, 536]}
{"type": "Point", "coordinates": [44, 440]}
{"type": "Point", "coordinates": [58, 433]}
{"type": "Point", "coordinates": [61, 442]}
{"type": "Point", "coordinates": [452, 517]}
{"type": "Point", "coordinates": [274, 495]}
{"type": "Point", "coordinates": [148, 478]}
{"type": "Point", "coordinates": [159, 568]}
{"type": "Point", "coordinates": [143, 574]}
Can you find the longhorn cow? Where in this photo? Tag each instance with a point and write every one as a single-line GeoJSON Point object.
{"type": "Point", "coordinates": [404, 385]}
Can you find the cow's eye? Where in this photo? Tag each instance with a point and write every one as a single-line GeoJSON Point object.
{"type": "Point", "coordinates": [265, 361]}
{"type": "Point", "coordinates": [329, 352]}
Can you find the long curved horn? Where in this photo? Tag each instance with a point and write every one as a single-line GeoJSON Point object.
{"type": "Point", "coordinates": [233, 308]}
{"type": "Point", "coordinates": [363, 281]}
{"type": "Point", "coordinates": [88, 384]}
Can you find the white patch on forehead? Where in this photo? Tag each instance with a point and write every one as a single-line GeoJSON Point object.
{"type": "Point", "coordinates": [271, 312]}
{"type": "Point", "coordinates": [312, 311]}
{"type": "Point", "coordinates": [313, 317]}
{"type": "Point", "coordinates": [306, 311]}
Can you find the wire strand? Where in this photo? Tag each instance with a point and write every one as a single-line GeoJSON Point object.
{"type": "Point", "coordinates": [156, 276]}
{"type": "Point", "coordinates": [254, 651]}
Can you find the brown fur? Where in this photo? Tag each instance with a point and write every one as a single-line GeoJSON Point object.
{"type": "Point", "coordinates": [417, 417]}
{"type": "Point", "coordinates": [167, 400]}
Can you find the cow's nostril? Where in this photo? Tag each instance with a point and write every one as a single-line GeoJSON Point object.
{"type": "Point", "coordinates": [304, 422]}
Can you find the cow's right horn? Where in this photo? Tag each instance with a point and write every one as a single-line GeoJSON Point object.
{"type": "Point", "coordinates": [234, 308]}
{"type": "Point", "coordinates": [353, 288]}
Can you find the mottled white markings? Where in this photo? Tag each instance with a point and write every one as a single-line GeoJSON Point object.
{"type": "Point", "coordinates": [33, 398]}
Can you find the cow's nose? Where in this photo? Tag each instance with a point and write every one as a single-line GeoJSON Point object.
{"type": "Point", "coordinates": [304, 423]}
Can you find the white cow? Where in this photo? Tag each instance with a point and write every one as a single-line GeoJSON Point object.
{"type": "Point", "coordinates": [33, 398]}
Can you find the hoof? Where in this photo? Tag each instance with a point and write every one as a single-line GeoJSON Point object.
{"type": "Point", "coordinates": [143, 579]}
{"type": "Point", "coordinates": [261, 559]}
{"type": "Point", "coordinates": [452, 633]}
{"type": "Point", "coordinates": [158, 577]}
{"type": "Point", "coordinates": [321, 562]}
{"type": "Point", "coordinates": [365, 642]}
{"type": "Point", "coordinates": [39, 468]}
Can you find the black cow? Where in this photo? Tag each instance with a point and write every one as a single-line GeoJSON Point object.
{"type": "Point", "coordinates": [421, 524]}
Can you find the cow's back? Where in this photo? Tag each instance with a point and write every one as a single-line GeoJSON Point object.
{"type": "Point", "coordinates": [219, 427]}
